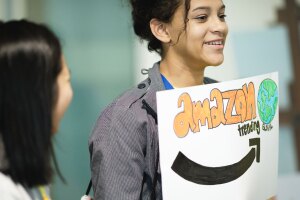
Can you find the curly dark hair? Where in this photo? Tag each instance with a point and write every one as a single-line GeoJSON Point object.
{"type": "Point", "coordinates": [145, 10]}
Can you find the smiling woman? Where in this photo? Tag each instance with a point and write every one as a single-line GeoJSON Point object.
{"type": "Point", "coordinates": [189, 35]}
{"type": "Point", "coordinates": [192, 44]}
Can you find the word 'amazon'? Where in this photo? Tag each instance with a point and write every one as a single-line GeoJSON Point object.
{"type": "Point", "coordinates": [242, 101]}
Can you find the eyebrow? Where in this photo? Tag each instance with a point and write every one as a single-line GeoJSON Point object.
{"type": "Point", "coordinates": [207, 8]}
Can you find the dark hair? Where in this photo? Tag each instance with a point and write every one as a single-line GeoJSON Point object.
{"type": "Point", "coordinates": [145, 10]}
{"type": "Point", "coordinates": [30, 61]}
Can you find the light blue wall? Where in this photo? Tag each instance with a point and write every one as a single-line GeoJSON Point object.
{"type": "Point", "coordinates": [97, 41]}
{"type": "Point", "coordinates": [264, 51]}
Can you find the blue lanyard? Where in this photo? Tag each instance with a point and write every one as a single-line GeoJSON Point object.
{"type": "Point", "coordinates": [167, 84]}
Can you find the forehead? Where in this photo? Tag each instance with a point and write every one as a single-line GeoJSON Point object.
{"type": "Point", "coordinates": [206, 3]}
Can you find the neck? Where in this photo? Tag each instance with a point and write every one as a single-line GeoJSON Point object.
{"type": "Point", "coordinates": [181, 75]}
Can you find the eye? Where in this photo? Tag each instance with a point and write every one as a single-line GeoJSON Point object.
{"type": "Point", "coordinates": [222, 17]}
{"type": "Point", "coordinates": [201, 18]}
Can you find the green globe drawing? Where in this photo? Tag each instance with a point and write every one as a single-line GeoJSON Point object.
{"type": "Point", "coordinates": [267, 100]}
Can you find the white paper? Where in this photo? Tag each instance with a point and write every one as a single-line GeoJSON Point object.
{"type": "Point", "coordinates": [220, 143]}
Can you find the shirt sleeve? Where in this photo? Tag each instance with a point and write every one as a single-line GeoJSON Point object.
{"type": "Point", "coordinates": [10, 190]}
{"type": "Point", "coordinates": [118, 155]}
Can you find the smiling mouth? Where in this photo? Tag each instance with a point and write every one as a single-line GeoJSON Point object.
{"type": "Point", "coordinates": [215, 43]}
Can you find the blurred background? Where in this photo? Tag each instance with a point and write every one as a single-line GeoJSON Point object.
{"type": "Point", "coordinates": [105, 59]}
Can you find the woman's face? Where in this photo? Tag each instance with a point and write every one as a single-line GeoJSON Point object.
{"type": "Point", "coordinates": [64, 95]}
{"type": "Point", "coordinates": [202, 42]}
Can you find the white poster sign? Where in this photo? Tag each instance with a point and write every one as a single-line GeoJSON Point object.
{"type": "Point", "coordinates": [220, 141]}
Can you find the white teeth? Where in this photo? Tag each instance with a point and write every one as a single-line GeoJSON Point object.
{"type": "Point", "coordinates": [214, 43]}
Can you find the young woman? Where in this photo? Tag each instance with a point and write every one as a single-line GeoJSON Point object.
{"type": "Point", "coordinates": [35, 91]}
{"type": "Point", "coordinates": [189, 35]}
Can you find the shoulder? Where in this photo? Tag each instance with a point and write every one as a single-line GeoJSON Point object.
{"type": "Point", "coordinates": [10, 190]}
{"type": "Point", "coordinates": [124, 111]}
{"type": "Point", "coordinates": [129, 102]}
{"type": "Point", "coordinates": [130, 97]}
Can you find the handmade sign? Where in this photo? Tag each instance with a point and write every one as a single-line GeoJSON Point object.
{"type": "Point", "coordinates": [220, 141]}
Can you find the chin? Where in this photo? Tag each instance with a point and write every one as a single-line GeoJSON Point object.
{"type": "Point", "coordinates": [216, 61]}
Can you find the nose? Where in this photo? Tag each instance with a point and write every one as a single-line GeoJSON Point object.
{"type": "Point", "coordinates": [219, 26]}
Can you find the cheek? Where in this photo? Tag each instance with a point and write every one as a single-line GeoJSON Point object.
{"type": "Point", "coordinates": [226, 31]}
{"type": "Point", "coordinates": [196, 37]}
{"type": "Point", "coordinates": [65, 96]}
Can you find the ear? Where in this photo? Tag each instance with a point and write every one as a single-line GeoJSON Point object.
{"type": "Point", "coordinates": [160, 31]}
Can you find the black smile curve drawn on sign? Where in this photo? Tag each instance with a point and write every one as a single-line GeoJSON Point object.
{"type": "Point", "coordinates": [194, 172]}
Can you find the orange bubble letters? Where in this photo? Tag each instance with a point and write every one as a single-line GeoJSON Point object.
{"type": "Point", "coordinates": [240, 108]}
{"type": "Point", "coordinates": [184, 120]}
